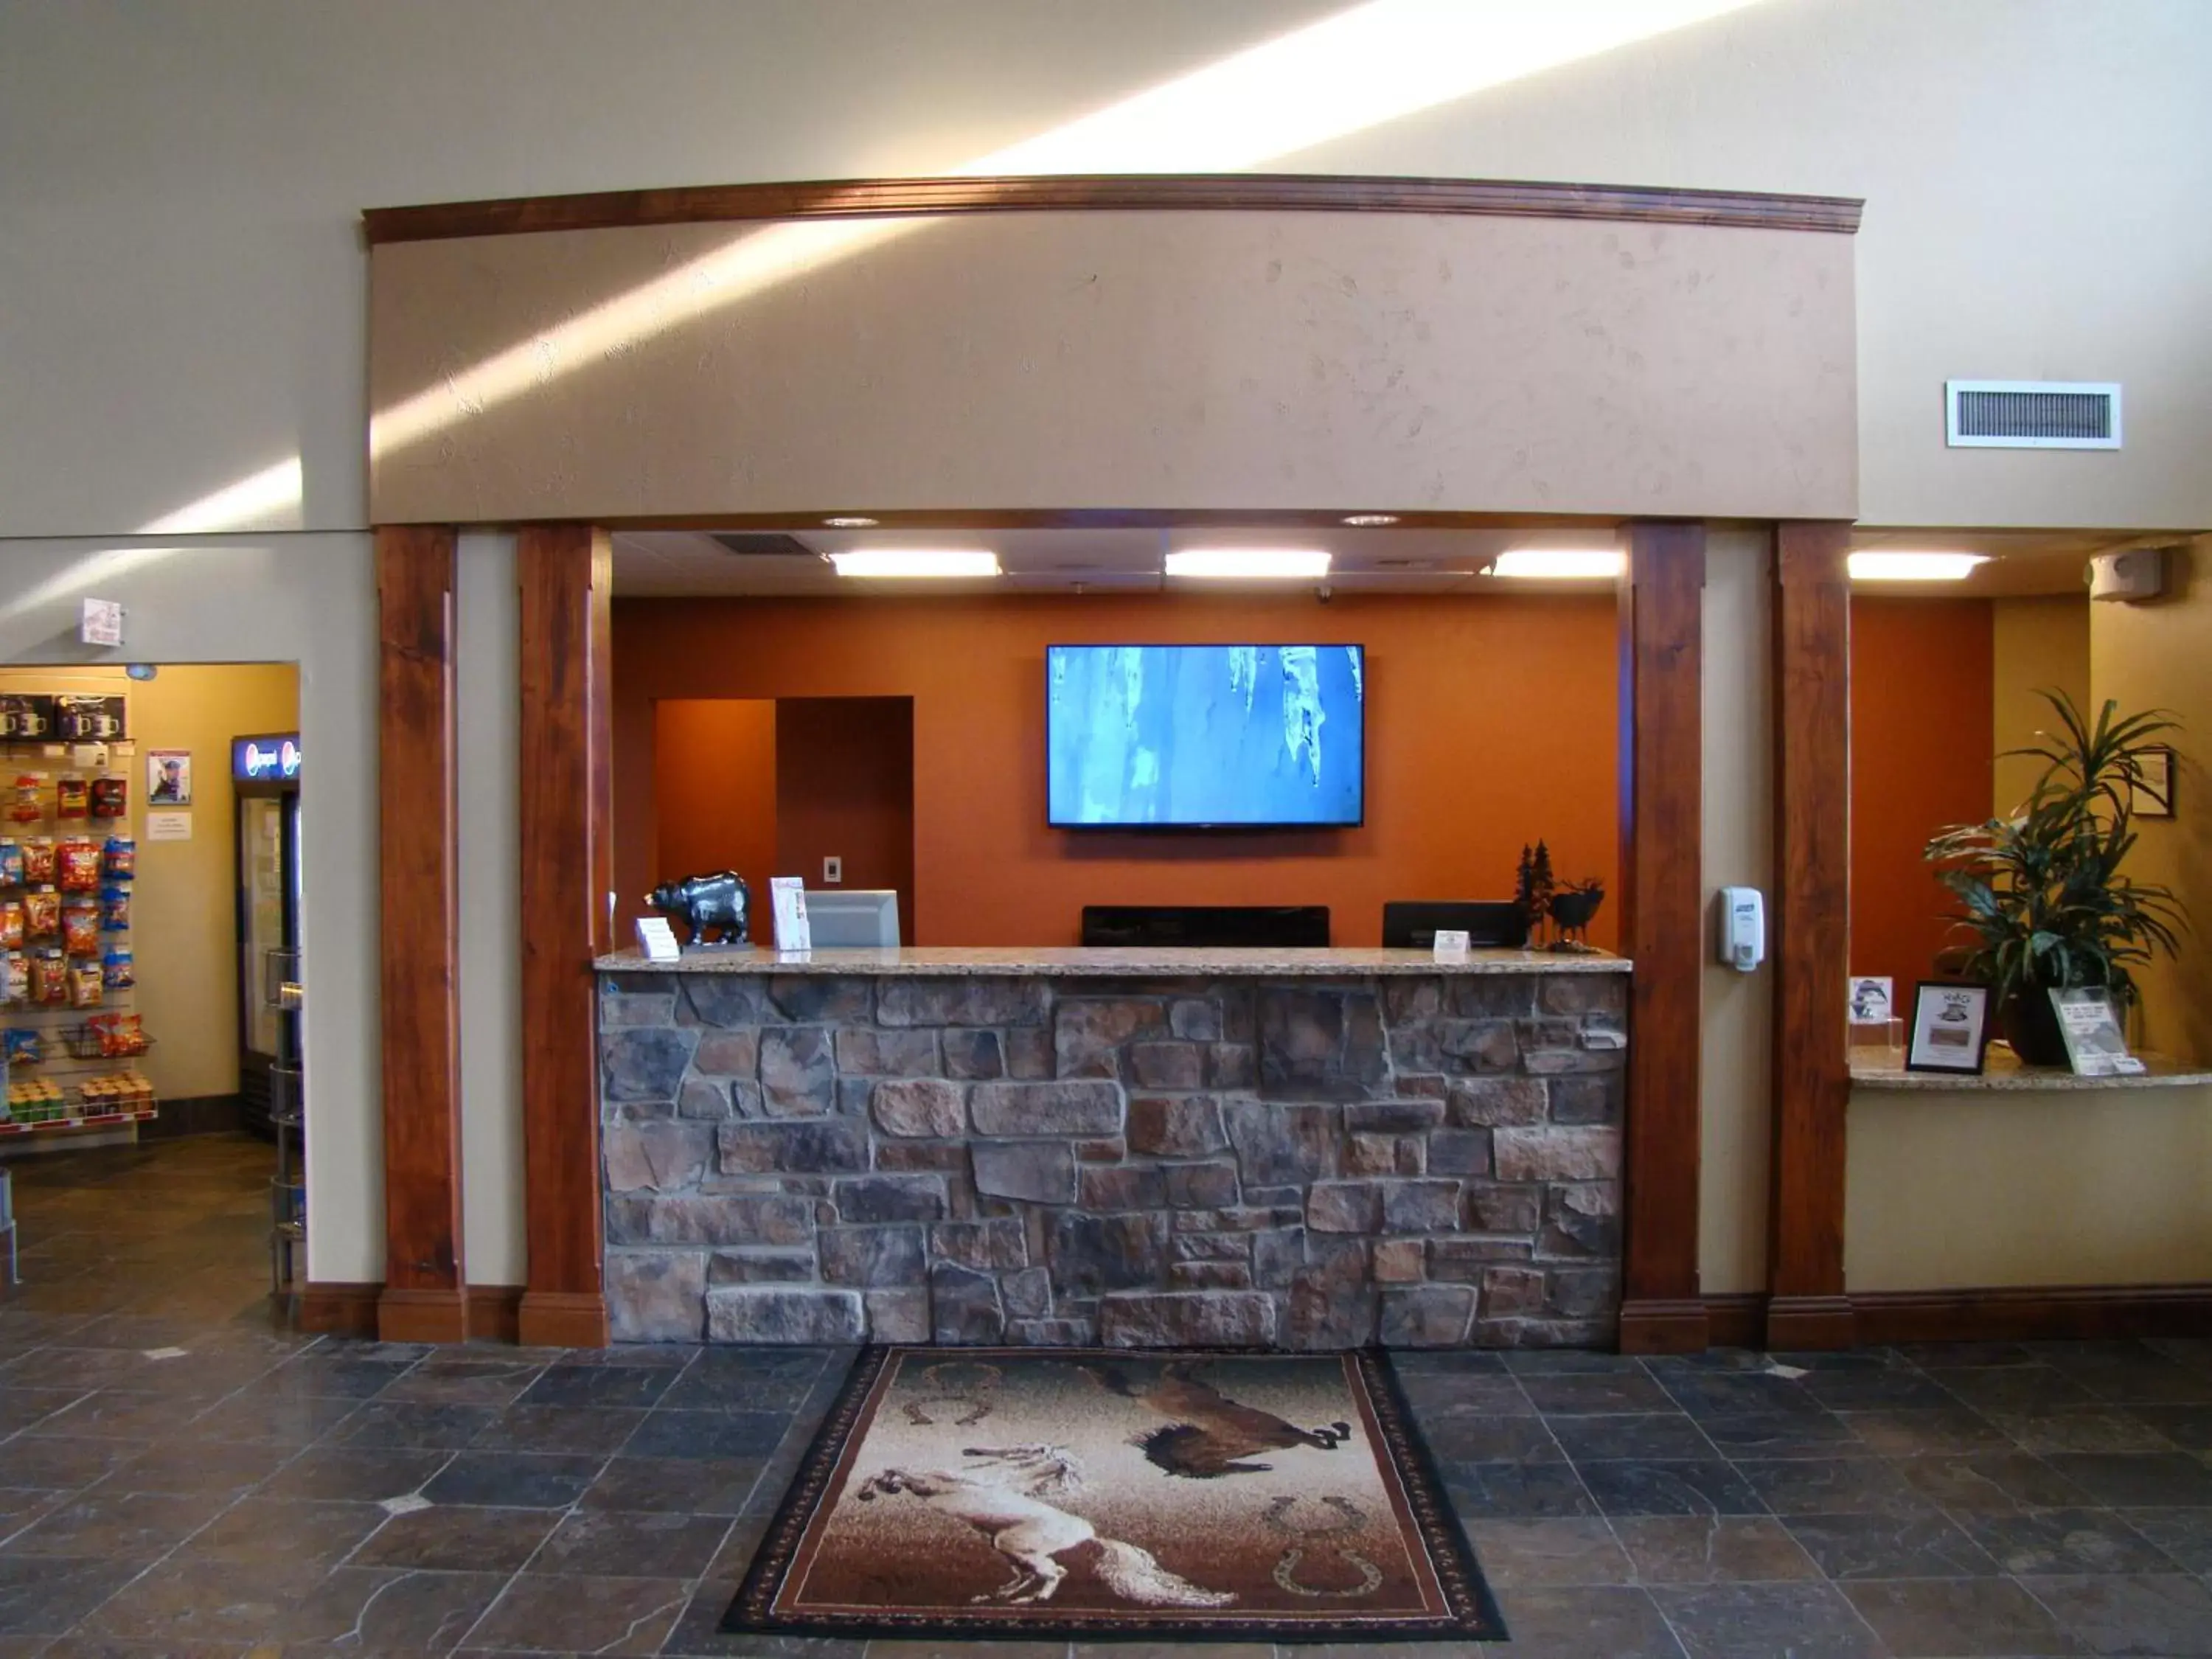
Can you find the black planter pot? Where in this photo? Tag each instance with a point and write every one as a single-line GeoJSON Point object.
{"type": "Point", "coordinates": [2030, 1025]}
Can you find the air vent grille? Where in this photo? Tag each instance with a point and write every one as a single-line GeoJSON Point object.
{"type": "Point", "coordinates": [2033, 415]}
{"type": "Point", "coordinates": [756, 543]}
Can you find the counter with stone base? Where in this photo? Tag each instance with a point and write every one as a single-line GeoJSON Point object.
{"type": "Point", "coordinates": [1290, 1150]}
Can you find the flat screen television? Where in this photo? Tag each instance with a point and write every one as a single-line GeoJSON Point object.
{"type": "Point", "coordinates": [1205, 737]}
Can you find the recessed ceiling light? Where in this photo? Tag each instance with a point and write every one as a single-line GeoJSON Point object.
{"type": "Point", "coordinates": [1558, 563]}
{"type": "Point", "coordinates": [1914, 566]}
{"type": "Point", "coordinates": [902, 563]}
{"type": "Point", "coordinates": [1369, 521]}
{"type": "Point", "coordinates": [850, 524]}
{"type": "Point", "coordinates": [1250, 563]}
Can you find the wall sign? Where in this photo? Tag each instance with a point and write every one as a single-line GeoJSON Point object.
{"type": "Point", "coordinates": [169, 777]}
{"type": "Point", "coordinates": [266, 759]}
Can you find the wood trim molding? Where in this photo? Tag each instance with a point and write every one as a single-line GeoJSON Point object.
{"type": "Point", "coordinates": [422, 1298]}
{"type": "Point", "coordinates": [1662, 930]}
{"type": "Point", "coordinates": [566, 573]}
{"type": "Point", "coordinates": [1810, 934]}
{"type": "Point", "coordinates": [338, 1308]}
{"type": "Point", "coordinates": [863, 199]}
{"type": "Point", "coordinates": [1997, 1314]}
{"type": "Point", "coordinates": [494, 1313]}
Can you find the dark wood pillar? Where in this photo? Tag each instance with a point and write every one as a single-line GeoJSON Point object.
{"type": "Point", "coordinates": [566, 573]}
{"type": "Point", "coordinates": [1662, 928]}
{"type": "Point", "coordinates": [1809, 934]}
{"type": "Point", "coordinates": [423, 1299]}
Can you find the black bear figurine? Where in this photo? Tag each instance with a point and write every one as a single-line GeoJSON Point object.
{"type": "Point", "coordinates": [721, 901]}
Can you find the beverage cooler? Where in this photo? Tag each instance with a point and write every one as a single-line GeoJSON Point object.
{"type": "Point", "coordinates": [271, 1084]}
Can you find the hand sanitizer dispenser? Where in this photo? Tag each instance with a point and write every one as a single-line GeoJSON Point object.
{"type": "Point", "coordinates": [1742, 928]}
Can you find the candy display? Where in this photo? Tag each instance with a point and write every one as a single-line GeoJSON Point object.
{"type": "Point", "coordinates": [72, 796]}
{"type": "Point", "coordinates": [29, 806]}
{"type": "Point", "coordinates": [81, 925]}
{"type": "Point", "coordinates": [111, 797]}
{"type": "Point", "coordinates": [115, 907]}
{"type": "Point", "coordinates": [77, 861]}
{"type": "Point", "coordinates": [118, 971]}
{"type": "Point", "coordinates": [121, 853]}
{"type": "Point", "coordinates": [39, 860]}
{"type": "Point", "coordinates": [42, 913]}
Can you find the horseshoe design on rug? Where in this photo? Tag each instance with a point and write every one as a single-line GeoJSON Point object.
{"type": "Point", "coordinates": [1349, 1518]}
{"type": "Point", "coordinates": [947, 1388]}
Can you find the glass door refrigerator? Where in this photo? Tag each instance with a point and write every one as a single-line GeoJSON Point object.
{"type": "Point", "coordinates": [264, 770]}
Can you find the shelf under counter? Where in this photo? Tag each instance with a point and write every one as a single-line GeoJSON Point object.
{"type": "Point", "coordinates": [1113, 961]}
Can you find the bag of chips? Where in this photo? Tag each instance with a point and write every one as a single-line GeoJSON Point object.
{"type": "Point", "coordinates": [111, 797]}
{"type": "Point", "coordinates": [81, 926]}
{"type": "Point", "coordinates": [122, 857]}
{"type": "Point", "coordinates": [42, 913]}
{"type": "Point", "coordinates": [72, 796]}
{"type": "Point", "coordinates": [29, 806]}
{"type": "Point", "coordinates": [11, 924]}
{"type": "Point", "coordinates": [49, 977]}
{"type": "Point", "coordinates": [118, 971]}
{"type": "Point", "coordinates": [87, 984]}
{"type": "Point", "coordinates": [16, 976]}
{"type": "Point", "coordinates": [11, 863]}
{"type": "Point", "coordinates": [21, 1046]}
{"type": "Point", "coordinates": [38, 859]}
{"type": "Point", "coordinates": [115, 907]}
{"type": "Point", "coordinates": [78, 862]}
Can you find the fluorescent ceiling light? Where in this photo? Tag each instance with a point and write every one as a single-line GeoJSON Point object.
{"type": "Point", "coordinates": [917, 562]}
{"type": "Point", "coordinates": [1368, 521]}
{"type": "Point", "coordinates": [1558, 563]}
{"type": "Point", "coordinates": [1250, 563]}
{"type": "Point", "coordinates": [850, 523]}
{"type": "Point", "coordinates": [1914, 566]}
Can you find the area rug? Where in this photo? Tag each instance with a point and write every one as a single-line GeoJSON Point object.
{"type": "Point", "coordinates": [1012, 1494]}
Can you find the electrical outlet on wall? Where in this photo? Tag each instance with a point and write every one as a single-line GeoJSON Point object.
{"type": "Point", "coordinates": [833, 872]}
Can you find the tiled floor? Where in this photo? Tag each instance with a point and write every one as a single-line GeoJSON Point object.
{"type": "Point", "coordinates": [260, 1492]}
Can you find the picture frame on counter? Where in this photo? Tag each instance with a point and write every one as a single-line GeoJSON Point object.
{"type": "Point", "coordinates": [2096, 1044]}
{"type": "Point", "coordinates": [1950, 1028]}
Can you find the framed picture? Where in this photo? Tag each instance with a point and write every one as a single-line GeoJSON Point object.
{"type": "Point", "coordinates": [2095, 1044]}
{"type": "Point", "coordinates": [1950, 1028]}
{"type": "Point", "coordinates": [2154, 792]}
{"type": "Point", "coordinates": [1874, 1000]}
{"type": "Point", "coordinates": [169, 777]}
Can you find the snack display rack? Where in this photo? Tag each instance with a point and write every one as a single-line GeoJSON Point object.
{"type": "Point", "coordinates": [70, 1060]}
{"type": "Point", "coordinates": [287, 1188]}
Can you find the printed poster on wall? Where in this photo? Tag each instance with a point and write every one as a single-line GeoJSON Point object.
{"type": "Point", "coordinates": [169, 777]}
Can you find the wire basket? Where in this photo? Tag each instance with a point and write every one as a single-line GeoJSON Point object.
{"type": "Point", "coordinates": [84, 1042]}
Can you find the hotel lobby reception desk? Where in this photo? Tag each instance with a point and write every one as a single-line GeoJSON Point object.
{"type": "Point", "coordinates": [1292, 1149]}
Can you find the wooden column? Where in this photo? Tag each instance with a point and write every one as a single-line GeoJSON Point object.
{"type": "Point", "coordinates": [1808, 935]}
{"type": "Point", "coordinates": [566, 573]}
{"type": "Point", "coordinates": [1662, 928]}
{"type": "Point", "coordinates": [423, 1299]}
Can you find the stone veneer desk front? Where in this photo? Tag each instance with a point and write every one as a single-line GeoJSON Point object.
{"type": "Point", "coordinates": [1292, 1149]}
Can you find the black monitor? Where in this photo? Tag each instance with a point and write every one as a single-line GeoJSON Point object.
{"type": "Point", "coordinates": [1232, 927]}
{"type": "Point", "coordinates": [1412, 924]}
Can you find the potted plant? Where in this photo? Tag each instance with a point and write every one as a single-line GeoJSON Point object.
{"type": "Point", "coordinates": [2043, 903]}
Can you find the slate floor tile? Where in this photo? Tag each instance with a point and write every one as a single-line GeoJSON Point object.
{"type": "Point", "coordinates": [528, 1480]}
{"type": "Point", "coordinates": [1958, 1619]}
{"type": "Point", "coordinates": [1555, 1622]}
{"type": "Point", "coordinates": [337, 1375]}
{"type": "Point", "coordinates": [1711, 1549]}
{"type": "Point", "coordinates": [1990, 1483]}
{"type": "Point", "coordinates": [297, 1529]}
{"type": "Point", "coordinates": [2045, 1542]}
{"type": "Point", "coordinates": [461, 1539]}
{"type": "Point", "coordinates": [714, 1434]}
{"type": "Point", "coordinates": [682, 1486]}
{"type": "Point", "coordinates": [2105, 1429]}
{"type": "Point", "coordinates": [1830, 1487]}
{"type": "Point", "coordinates": [1890, 1546]}
{"type": "Point", "coordinates": [2167, 1616]}
{"type": "Point", "coordinates": [698, 1633]}
{"type": "Point", "coordinates": [415, 1424]}
{"type": "Point", "coordinates": [1887, 1388]}
{"type": "Point", "coordinates": [47, 1596]}
{"type": "Point", "coordinates": [567, 1429]}
{"type": "Point", "coordinates": [1474, 1438]}
{"type": "Point", "coordinates": [1740, 1394]}
{"type": "Point", "coordinates": [2146, 1480]}
{"type": "Point", "coordinates": [298, 1422]}
{"type": "Point", "coordinates": [590, 1614]}
{"type": "Point", "coordinates": [1515, 1491]}
{"type": "Point", "coordinates": [357, 1473]}
{"type": "Point", "coordinates": [2035, 1387]}
{"type": "Point", "coordinates": [1642, 1435]}
{"type": "Point", "coordinates": [1566, 1551]}
{"type": "Point", "coordinates": [64, 1464]}
{"type": "Point", "coordinates": [629, 1544]}
{"type": "Point", "coordinates": [1558, 1393]}
{"type": "Point", "coordinates": [634, 1386]}
{"type": "Point", "coordinates": [116, 1526]}
{"type": "Point", "coordinates": [182, 1600]}
{"type": "Point", "coordinates": [364, 1610]}
{"type": "Point", "coordinates": [1691, 1486]}
{"type": "Point", "coordinates": [1808, 1620]}
{"type": "Point", "coordinates": [2188, 1427]}
{"type": "Point", "coordinates": [768, 1382]}
{"type": "Point", "coordinates": [2185, 1536]}
{"type": "Point", "coordinates": [1912, 1433]}
{"type": "Point", "coordinates": [1815, 1433]}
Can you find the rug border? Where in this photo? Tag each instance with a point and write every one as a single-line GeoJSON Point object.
{"type": "Point", "coordinates": [1475, 1617]}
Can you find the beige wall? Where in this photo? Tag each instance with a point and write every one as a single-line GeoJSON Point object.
{"type": "Point", "coordinates": [2034, 643]}
{"type": "Point", "coordinates": [1165, 359]}
{"type": "Point", "coordinates": [2090, 1186]}
{"type": "Point", "coordinates": [2159, 656]}
{"type": "Point", "coordinates": [1739, 850]}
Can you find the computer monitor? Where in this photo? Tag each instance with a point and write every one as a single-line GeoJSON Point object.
{"type": "Point", "coordinates": [851, 917]}
{"type": "Point", "coordinates": [1412, 924]}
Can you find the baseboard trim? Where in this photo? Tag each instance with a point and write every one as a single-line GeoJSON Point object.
{"type": "Point", "coordinates": [194, 1115]}
{"type": "Point", "coordinates": [1983, 1314]}
{"type": "Point", "coordinates": [335, 1309]}
{"type": "Point", "coordinates": [563, 1319]}
{"type": "Point", "coordinates": [431, 1314]}
{"type": "Point", "coordinates": [1674, 1325]}
{"type": "Point", "coordinates": [494, 1313]}
{"type": "Point", "coordinates": [2034, 1312]}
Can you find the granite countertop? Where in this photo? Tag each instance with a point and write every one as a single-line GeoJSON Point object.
{"type": "Point", "coordinates": [1077, 962]}
{"type": "Point", "coordinates": [2003, 1072]}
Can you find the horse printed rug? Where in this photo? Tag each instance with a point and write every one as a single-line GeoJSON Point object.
{"type": "Point", "coordinates": [981, 1492]}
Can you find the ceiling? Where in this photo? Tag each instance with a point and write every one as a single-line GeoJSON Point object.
{"type": "Point", "coordinates": [686, 563]}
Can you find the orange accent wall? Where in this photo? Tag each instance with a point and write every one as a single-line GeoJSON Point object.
{"type": "Point", "coordinates": [714, 790]}
{"type": "Point", "coordinates": [1922, 701]}
{"type": "Point", "coordinates": [844, 785]}
{"type": "Point", "coordinates": [1490, 722]}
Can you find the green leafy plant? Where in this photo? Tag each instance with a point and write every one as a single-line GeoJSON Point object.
{"type": "Point", "coordinates": [2043, 904]}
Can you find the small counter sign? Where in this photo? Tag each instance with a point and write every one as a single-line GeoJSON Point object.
{"type": "Point", "coordinates": [265, 759]}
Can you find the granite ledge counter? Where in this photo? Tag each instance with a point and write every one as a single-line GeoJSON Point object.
{"type": "Point", "coordinates": [1177, 1148]}
{"type": "Point", "coordinates": [1116, 961]}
